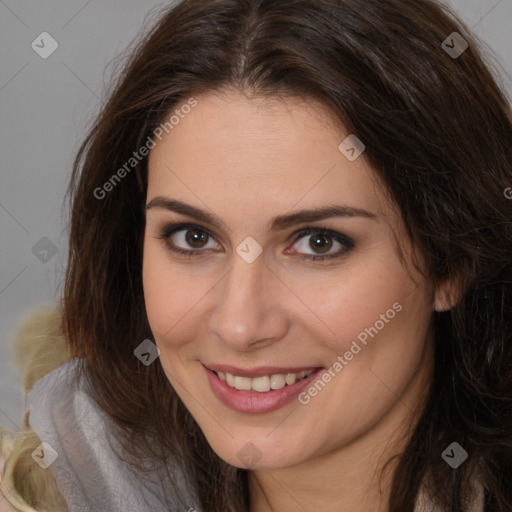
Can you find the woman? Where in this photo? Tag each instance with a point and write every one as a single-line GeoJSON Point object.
{"type": "Point", "coordinates": [290, 267]}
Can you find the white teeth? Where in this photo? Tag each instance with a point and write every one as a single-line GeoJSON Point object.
{"type": "Point", "coordinates": [243, 383]}
{"type": "Point", "coordinates": [290, 378]}
{"type": "Point", "coordinates": [264, 383]}
{"type": "Point", "coordinates": [277, 381]}
{"type": "Point", "coordinates": [261, 384]}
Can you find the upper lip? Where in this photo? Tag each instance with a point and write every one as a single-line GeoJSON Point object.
{"type": "Point", "coordinates": [257, 372]}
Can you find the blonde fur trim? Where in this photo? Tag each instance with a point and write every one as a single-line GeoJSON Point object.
{"type": "Point", "coordinates": [39, 345]}
{"type": "Point", "coordinates": [38, 348]}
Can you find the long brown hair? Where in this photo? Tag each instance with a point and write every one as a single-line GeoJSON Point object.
{"type": "Point", "coordinates": [438, 131]}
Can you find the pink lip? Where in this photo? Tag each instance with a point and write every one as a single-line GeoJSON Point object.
{"type": "Point", "coordinates": [257, 372]}
{"type": "Point", "coordinates": [253, 402]}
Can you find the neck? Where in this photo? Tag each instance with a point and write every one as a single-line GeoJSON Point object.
{"type": "Point", "coordinates": [334, 482]}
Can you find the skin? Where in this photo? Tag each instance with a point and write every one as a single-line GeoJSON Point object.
{"type": "Point", "coordinates": [246, 161]}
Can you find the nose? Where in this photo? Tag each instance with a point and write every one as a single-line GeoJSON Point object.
{"type": "Point", "coordinates": [249, 311]}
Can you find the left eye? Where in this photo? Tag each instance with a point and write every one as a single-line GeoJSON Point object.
{"type": "Point", "coordinates": [322, 240]}
{"type": "Point", "coordinates": [178, 236]}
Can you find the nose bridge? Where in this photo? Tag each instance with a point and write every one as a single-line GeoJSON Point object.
{"type": "Point", "coordinates": [245, 282]}
{"type": "Point", "coordinates": [246, 309]}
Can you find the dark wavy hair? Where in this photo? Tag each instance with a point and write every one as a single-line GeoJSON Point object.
{"type": "Point", "coordinates": [437, 130]}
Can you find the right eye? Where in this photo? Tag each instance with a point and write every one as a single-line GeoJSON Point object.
{"type": "Point", "coordinates": [178, 236]}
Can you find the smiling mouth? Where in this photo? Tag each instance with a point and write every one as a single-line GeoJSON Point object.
{"type": "Point", "coordinates": [258, 390]}
{"type": "Point", "coordinates": [262, 384]}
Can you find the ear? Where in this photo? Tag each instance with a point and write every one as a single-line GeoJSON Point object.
{"type": "Point", "coordinates": [447, 294]}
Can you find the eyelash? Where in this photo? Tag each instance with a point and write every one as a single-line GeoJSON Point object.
{"type": "Point", "coordinates": [171, 229]}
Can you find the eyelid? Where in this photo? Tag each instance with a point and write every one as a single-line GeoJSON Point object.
{"type": "Point", "coordinates": [309, 230]}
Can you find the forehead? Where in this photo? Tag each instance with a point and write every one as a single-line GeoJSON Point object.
{"type": "Point", "coordinates": [276, 152]}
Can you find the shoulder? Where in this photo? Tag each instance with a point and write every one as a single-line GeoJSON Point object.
{"type": "Point", "coordinates": [72, 444]}
{"type": "Point", "coordinates": [38, 348]}
{"type": "Point", "coordinates": [85, 455]}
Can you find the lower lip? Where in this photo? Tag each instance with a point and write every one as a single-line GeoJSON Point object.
{"type": "Point", "coordinates": [253, 402]}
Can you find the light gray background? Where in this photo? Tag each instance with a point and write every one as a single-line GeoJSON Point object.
{"type": "Point", "coordinates": [45, 106]}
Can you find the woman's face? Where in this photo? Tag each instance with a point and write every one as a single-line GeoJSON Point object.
{"type": "Point", "coordinates": [246, 306]}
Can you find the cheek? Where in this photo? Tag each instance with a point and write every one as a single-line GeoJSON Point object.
{"type": "Point", "coordinates": [376, 316]}
{"type": "Point", "coordinates": [172, 296]}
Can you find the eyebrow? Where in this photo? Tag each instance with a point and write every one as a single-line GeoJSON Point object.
{"type": "Point", "coordinates": [276, 223]}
